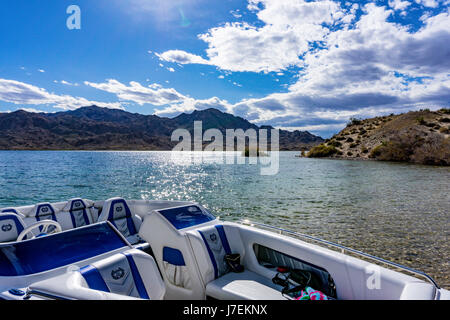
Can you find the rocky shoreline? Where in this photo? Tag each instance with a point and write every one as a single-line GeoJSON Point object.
{"type": "Point", "coordinates": [421, 137]}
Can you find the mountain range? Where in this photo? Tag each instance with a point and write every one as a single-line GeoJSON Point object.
{"type": "Point", "coordinates": [95, 128]}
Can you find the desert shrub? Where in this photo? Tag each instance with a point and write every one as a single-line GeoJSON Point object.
{"type": "Point", "coordinates": [421, 120]}
{"type": "Point", "coordinates": [334, 143]}
{"type": "Point", "coordinates": [339, 153]}
{"type": "Point", "coordinates": [340, 138]}
{"type": "Point", "coordinates": [445, 110]}
{"type": "Point", "coordinates": [354, 121]}
{"type": "Point", "coordinates": [364, 150]}
{"type": "Point", "coordinates": [362, 131]}
{"type": "Point", "coordinates": [349, 139]}
{"type": "Point", "coordinates": [376, 152]}
{"type": "Point", "coordinates": [444, 130]}
{"type": "Point", "coordinates": [353, 145]}
{"type": "Point", "coordinates": [349, 153]}
{"type": "Point", "coordinates": [445, 120]}
{"type": "Point", "coordinates": [434, 151]}
{"type": "Point", "coordinates": [411, 147]}
{"type": "Point", "coordinates": [321, 150]}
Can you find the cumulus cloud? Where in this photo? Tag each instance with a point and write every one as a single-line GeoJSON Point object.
{"type": "Point", "coordinates": [182, 57]}
{"type": "Point", "coordinates": [153, 94]}
{"type": "Point", "coordinates": [23, 93]}
{"type": "Point", "coordinates": [289, 29]}
{"type": "Point", "coordinates": [428, 3]}
{"type": "Point", "coordinates": [398, 4]}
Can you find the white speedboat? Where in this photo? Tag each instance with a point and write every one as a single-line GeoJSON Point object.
{"type": "Point", "coordinates": [139, 249]}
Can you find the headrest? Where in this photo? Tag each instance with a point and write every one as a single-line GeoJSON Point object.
{"type": "Point", "coordinates": [43, 209]}
{"type": "Point", "coordinates": [11, 225]}
{"type": "Point", "coordinates": [75, 204]}
{"type": "Point", "coordinates": [11, 210]}
{"type": "Point", "coordinates": [117, 208]}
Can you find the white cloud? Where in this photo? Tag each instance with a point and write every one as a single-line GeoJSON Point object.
{"type": "Point", "coordinates": [399, 4]}
{"type": "Point", "coordinates": [67, 83]}
{"type": "Point", "coordinates": [428, 3]}
{"type": "Point", "coordinates": [23, 93]}
{"type": "Point", "coordinates": [139, 94]}
{"type": "Point", "coordinates": [41, 70]}
{"type": "Point", "coordinates": [182, 57]}
{"type": "Point", "coordinates": [33, 110]}
{"type": "Point", "coordinates": [289, 29]}
{"type": "Point", "coordinates": [171, 69]}
{"type": "Point", "coordinates": [173, 101]}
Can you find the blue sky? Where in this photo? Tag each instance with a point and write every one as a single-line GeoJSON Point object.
{"type": "Point", "coordinates": [308, 65]}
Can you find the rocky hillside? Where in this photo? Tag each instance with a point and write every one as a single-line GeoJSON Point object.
{"type": "Point", "coordinates": [94, 128]}
{"type": "Point", "coordinates": [418, 137]}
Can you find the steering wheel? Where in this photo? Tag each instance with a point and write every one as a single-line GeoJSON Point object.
{"type": "Point", "coordinates": [46, 224]}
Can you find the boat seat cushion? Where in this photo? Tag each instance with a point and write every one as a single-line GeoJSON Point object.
{"type": "Point", "coordinates": [11, 225]}
{"type": "Point", "coordinates": [44, 211]}
{"type": "Point", "coordinates": [132, 274]}
{"type": "Point", "coordinates": [78, 212]}
{"type": "Point", "coordinates": [217, 245]}
{"type": "Point", "coordinates": [117, 211]}
{"type": "Point", "coordinates": [246, 285]}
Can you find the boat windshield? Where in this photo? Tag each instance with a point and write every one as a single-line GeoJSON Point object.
{"type": "Point", "coordinates": [57, 250]}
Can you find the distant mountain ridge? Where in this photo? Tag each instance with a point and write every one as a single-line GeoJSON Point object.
{"type": "Point", "coordinates": [95, 128]}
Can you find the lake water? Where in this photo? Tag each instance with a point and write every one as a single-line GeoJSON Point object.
{"type": "Point", "coordinates": [399, 212]}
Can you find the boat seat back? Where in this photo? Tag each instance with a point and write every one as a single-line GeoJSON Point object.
{"type": "Point", "coordinates": [74, 214]}
{"type": "Point", "coordinates": [11, 225]}
{"type": "Point", "coordinates": [117, 211]}
{"type": "Point", "coordinates": [42, 211]}
{"type": "Point", "coordinates": [173, 253]}
{"type": "Point", "coordinates": [78, 213]}
{"type": "Point", "coordinates": [11, 210]}
{"type": "Point", "coordinates": [132, 273]}
{"type": "Point", "coordinates": [210, 245]}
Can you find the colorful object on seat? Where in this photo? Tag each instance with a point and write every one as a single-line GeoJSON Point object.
{"type": "Point", "coordinates": [311, 294]}
{"type": "Point", "coordinates": [283, 269]}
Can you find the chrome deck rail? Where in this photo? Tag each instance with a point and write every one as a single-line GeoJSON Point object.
{"type": "Point", "coordinates": [343, 249]}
